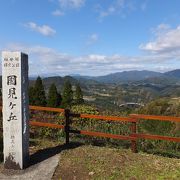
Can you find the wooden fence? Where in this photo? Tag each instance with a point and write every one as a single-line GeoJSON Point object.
{"type": "Point", "coordinates": [133, 119]}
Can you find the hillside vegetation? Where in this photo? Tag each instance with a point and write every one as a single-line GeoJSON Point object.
{"type": "Point", "coordinates": [130, 86]}
{"type": "Point", "coordinates": [152, 100]}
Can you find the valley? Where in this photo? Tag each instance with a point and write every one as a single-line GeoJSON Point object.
{"type": "Point", "coordinates": [142, 88]}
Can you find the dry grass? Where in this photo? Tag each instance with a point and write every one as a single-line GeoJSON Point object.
{"type": "Point", "coordinates": [91, 162]}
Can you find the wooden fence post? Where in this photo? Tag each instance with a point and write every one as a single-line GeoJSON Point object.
{"type": "Point", "coordinates": [134, 142]}
{"type": "Point", "coordinates": [67, 122]}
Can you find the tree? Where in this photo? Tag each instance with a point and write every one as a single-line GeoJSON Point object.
{"type": "Point", "coordinates": [31, 96]}
{"type": "Point", "coordinates": [158, 107]}
{"type": "Point", "coordinates": [78, 95]}
{"type": "Point", "coordinates": [67, 96]}
{"type": "Point", "coordinates": [39, 93]}
{"type": "Point", "coordinates": [54, 98]}
{"type": "Point", "coordinates": [59, 102]}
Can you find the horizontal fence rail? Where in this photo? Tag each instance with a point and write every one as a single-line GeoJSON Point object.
{"type": "Point", "coordinates": [158, 137]}
{"type": "Point", "coordinates": [106, 135]}
{"type": "Point", "coordinates": [153, 117]}
{"type": "Point", "coordinates": [107, 118]}
{"type": "Point", "coordinates": [50, 109]}
{"type": "Point", "coordinates": [49, 125]}
{"type": "Point", "coordinates": [133, 119]}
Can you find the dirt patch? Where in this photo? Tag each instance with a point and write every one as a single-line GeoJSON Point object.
{"type": "Point", "coordinates": [90, 162]}
{"type": "Point", "coordinates": [73, 171]}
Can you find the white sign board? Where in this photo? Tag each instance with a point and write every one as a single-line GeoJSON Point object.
{"type": "Point", "coordinates": [15, 109]}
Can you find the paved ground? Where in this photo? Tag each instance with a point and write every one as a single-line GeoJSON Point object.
{"type": "Point", "coordinates": [42, 164]}
{"type": "Point", "coordinates": [44, 170]}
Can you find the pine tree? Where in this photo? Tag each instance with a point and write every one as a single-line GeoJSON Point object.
{"type": "Point", "coordinates": [31, 96]}
{"type": "Point", "coordinates": [67, 96]}
{"type": "Point", "coordinates": [59, 102]}
{"type": "Point", "coordinates": [53, 96]}
{"type": "Point", "coordinates": [39, 93]}
{"type": "Point", "coordinates": [78, 95]}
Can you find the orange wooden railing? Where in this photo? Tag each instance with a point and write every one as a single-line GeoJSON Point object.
{"type": "Point", "coordinates": [133, 119]}
{"type": "Point", "coordinates": [68, 130]}
{"type": "Point", "coordinates": [160, 118]}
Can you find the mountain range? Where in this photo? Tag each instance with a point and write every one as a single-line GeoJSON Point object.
{"type": "Point", "coordinates": [141, 77]}
{"type": "Point", "coordinates": [135, 76]}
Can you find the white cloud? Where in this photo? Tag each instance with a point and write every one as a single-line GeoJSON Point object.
{"type": "Point", "coordinates": [49, 61]}
{"type": "Point", "coordinates": [44, 29]}
{"type": "Point", "coordinates": [115, 7]}
{"type": "Point", "coordinates": [167, 41]}
{"type": "Point", "coordinates": [119, 7]}
{"type": "Point", "coordinates": [161, 29]}
{"type": "Point", "coordinates": [110, 10]}
{"type": "Point", "coordinates": [93, 38]}
{"type": "Point", "coordinates": [71, 3]}
{"type": "Point", "coordinates": [144, 5]}
{"type": "Point", "coordinates": [57, 13]}
{"type": "Point", "coordinates": [44, 60]}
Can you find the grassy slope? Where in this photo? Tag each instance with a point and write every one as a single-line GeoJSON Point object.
{"type": "Point", "coordinates": [91, 162]}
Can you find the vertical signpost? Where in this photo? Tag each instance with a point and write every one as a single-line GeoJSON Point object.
{"type": "Point", "coordinates": [15, 109]}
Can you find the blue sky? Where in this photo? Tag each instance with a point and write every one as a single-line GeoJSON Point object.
{"type": "Point", "coordinates": [92, 37]}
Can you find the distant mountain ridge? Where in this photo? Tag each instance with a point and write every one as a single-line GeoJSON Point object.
{"type": "Point", "coordinates": [151, 77]}
{"type": "Point", "coordinates": [174, 73]}
{"type": "Point", "coordinates": [134, 76]}
{"type": "Point", "coordinates": [127, 76]}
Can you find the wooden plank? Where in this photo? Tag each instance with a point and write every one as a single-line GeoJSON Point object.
{"type": "Point", "coordinates": [158, 137]}
{"type": "Point", "coordinates": [46, 119]}
{"type": "Point", "coordinates": [153, 117]}
{"type": "Point", "coordinates": [105, 135]}
{"type": "Point", "coordinates": [39, 108]}
{"type": "Point", "coordinates": [133, 133]}
{"type": "Point", "coordinates": [107, 118]}
{"type": "Point", "coordinates": [41, 124]}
